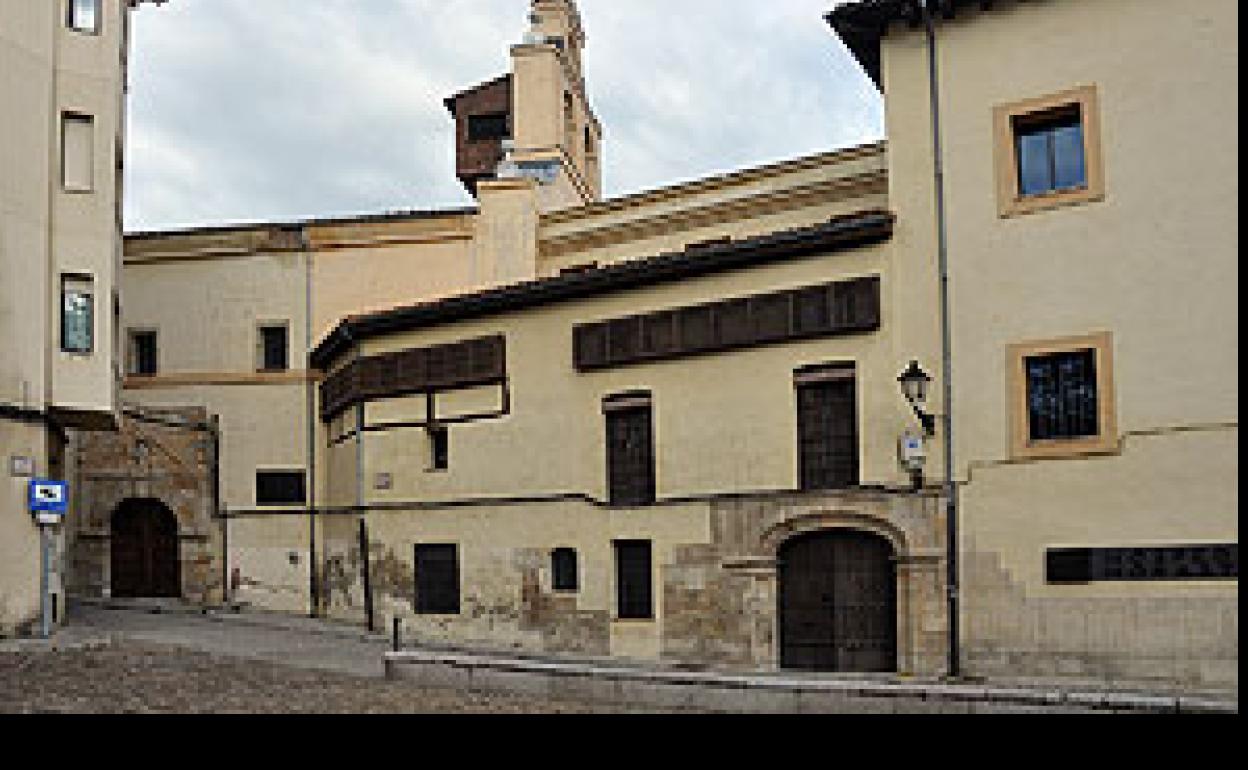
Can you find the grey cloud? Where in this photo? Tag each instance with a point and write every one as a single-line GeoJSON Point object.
{"type": "Point", "coordinates": [245, 110]}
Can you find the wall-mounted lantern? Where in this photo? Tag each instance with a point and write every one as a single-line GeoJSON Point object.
{"type": "Point", "coordinates": [914, 382]}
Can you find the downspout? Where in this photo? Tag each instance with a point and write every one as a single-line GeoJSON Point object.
{"type": "Point", "coordinates": [946, 364]}
{"type": "Point", "coordinates": [214, 430]}
{"type": "Point", "coordinates": [310, 418]}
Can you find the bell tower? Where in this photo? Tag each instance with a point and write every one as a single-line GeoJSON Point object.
{"type": "Point", "coordinates": [535, 122]}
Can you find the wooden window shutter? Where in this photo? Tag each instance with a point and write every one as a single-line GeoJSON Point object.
{"type": "Point", "coordinates": [630, 454]}
{"type": "Point", "coordinates": [733, 322]}
{"type": "Point", "coordinates": [827, 432]}
{"type": "Point", "coordinates": [589, 346]}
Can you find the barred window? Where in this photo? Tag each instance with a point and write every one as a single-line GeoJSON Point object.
{"type": "Point", "coordinates": [1062, 395]}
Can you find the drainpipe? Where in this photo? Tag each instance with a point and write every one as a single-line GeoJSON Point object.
{"type": "Point", "coordinates": [946, 374]}
{"type": "Point", "coordinates": [214, 430]}
{"type": "Point", "coordinates": [310, 418]}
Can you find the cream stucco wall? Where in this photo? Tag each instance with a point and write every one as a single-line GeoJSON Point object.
{"type": "Point", "coordinates": [724, 422]}
{"type": "Point", "coordinates": [47, 69]}
{"type": "Point", "coordinates": [1155, 264]}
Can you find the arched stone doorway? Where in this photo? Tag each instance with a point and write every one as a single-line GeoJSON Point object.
{"type": "Point", "coordinates": [144, 559]}
{"type": "Point", "coordinates": [838, 602]}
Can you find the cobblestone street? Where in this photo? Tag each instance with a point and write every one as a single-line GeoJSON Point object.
{"type": "Point", "coordinates": [133, 661]}
{"type": "Point", "coordinates": [134, 677]}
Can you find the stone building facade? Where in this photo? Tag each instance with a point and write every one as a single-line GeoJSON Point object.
{"type": "Point", "coordinates": [668, 426]}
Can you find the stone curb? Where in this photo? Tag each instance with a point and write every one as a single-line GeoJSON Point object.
{"type": "Point", "coordinates": [705, 689]}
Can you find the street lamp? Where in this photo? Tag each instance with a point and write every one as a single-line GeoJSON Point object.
{"type": "Point", "coordinates": [914, 382]}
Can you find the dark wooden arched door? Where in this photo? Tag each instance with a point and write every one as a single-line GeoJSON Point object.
{"type": "Point", "coordinates": [838, 602]}
{"type": "Point", "coordinates": [145, 550]}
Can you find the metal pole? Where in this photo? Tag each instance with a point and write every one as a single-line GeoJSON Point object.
{"type": "Point", "coordinates": [45, 582]}
{"type": "Point", "coordinates": [365, 567]}
{"type": "Point", "coordinates": [314, 590]}
{"type": "Point", "coordinates": [942, 253]}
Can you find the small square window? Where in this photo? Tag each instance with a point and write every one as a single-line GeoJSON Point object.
{"type": "Point", "coordinates": [439, 448]}
{"type": "Point", "coordinates": [1062, 392]}
{"type": "Point", "coordinates": [77, 314]}
{"type": "Point", "coordinates": [143, 352]}
{"type": "Point", "coordinates": [280, 488]}
{"type": "Point", "coordinates": [274, 348]}
{"type": "Point", "coordinates": [1061, 395]}
{"type": "Point", "coordinates": [563, 569]}
{"type": "Point", "coordinates": [488, 126]}
{"type": "Point", "coordinates": [84, 16]}
{"type": "Point", "coordinates": [1048, 152]}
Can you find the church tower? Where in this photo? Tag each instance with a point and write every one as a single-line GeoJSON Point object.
{"type": "Point", "coordinates": [535, 122]}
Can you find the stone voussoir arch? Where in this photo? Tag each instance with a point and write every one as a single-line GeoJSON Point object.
{"type": "Point", "coordinates": [810, 522]}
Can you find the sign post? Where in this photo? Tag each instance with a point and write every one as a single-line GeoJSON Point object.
{"type": "Point", "coordinates": [49, 501]}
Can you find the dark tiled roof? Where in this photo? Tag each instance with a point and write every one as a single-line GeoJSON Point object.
{"type": "Point", "coordinates": [837, 233]}
{"type": "Point", "coordinates": [861, 24]}
{"type": "Point", "coordinates": [296, 224]}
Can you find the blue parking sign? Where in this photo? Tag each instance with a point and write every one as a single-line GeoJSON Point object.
{"type": "Point", "coordinates": [48, 496]}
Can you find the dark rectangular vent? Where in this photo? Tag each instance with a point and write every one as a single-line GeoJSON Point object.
{"type": "Point", "coordinates": [1219, 561]}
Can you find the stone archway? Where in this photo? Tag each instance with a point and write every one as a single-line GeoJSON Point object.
{"type": "Point", "coordinates": [837, 601]}
{"type": "Point", "coordinates": [145, 559]}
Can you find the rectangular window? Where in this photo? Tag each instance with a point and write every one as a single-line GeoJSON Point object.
{"type": "Point", "coordinates": [827, 426]}
{"type": "Point", "coordinates": [563, 569]}
{"type": "Point", "coordinates": [634, 594]}
{"type": "Point", "coordinates": [630, 449]}
{"type": "Point", "coordinates": [77, 152]}
{"type": "Point", "coordinates": [1062, 397]}
{"type": "Point", "coordinates": [143, 352]}
{"type": "Point", "coordinates": [488, 126]}
{"type": "Point", "coordinates": [1049, 147]}
{"type": "Point", "coordinates": [1048, 152]}
{"type": "Point", "coordinates": [77, 314]}
{"type": "Point", "coordinates": [84, 16]}
{"type": "Point", "coordinates": [437, 579]}
{"type": "Point", "coordinates": [274, 356]}
{"type": "Point", "coordinates": [280, 488]}
{"type": "Point", "coordinates": [439, 448]}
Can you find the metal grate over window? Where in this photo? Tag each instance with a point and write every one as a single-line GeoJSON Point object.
{"type": "Point", "coordinates": [630, 451]}
{"type": "Point", "coordinates": [1062, 395]}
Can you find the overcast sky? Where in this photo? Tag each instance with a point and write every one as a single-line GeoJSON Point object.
{"type": "Point", "coordinates": [255, 110]}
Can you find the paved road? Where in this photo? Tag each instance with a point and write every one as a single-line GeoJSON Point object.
{"type": "Point", "coordinates": [134, 661]}
{"type": "Point", "coordinates": [288, 641]}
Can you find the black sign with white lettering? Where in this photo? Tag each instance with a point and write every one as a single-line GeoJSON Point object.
{"type": "Point", "coordinates": [1219, 561]}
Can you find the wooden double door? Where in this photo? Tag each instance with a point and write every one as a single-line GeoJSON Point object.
{"type": "Point", "coordinates": [144, 557]}
{"type": "Point", "coordinates": [838, 602]}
